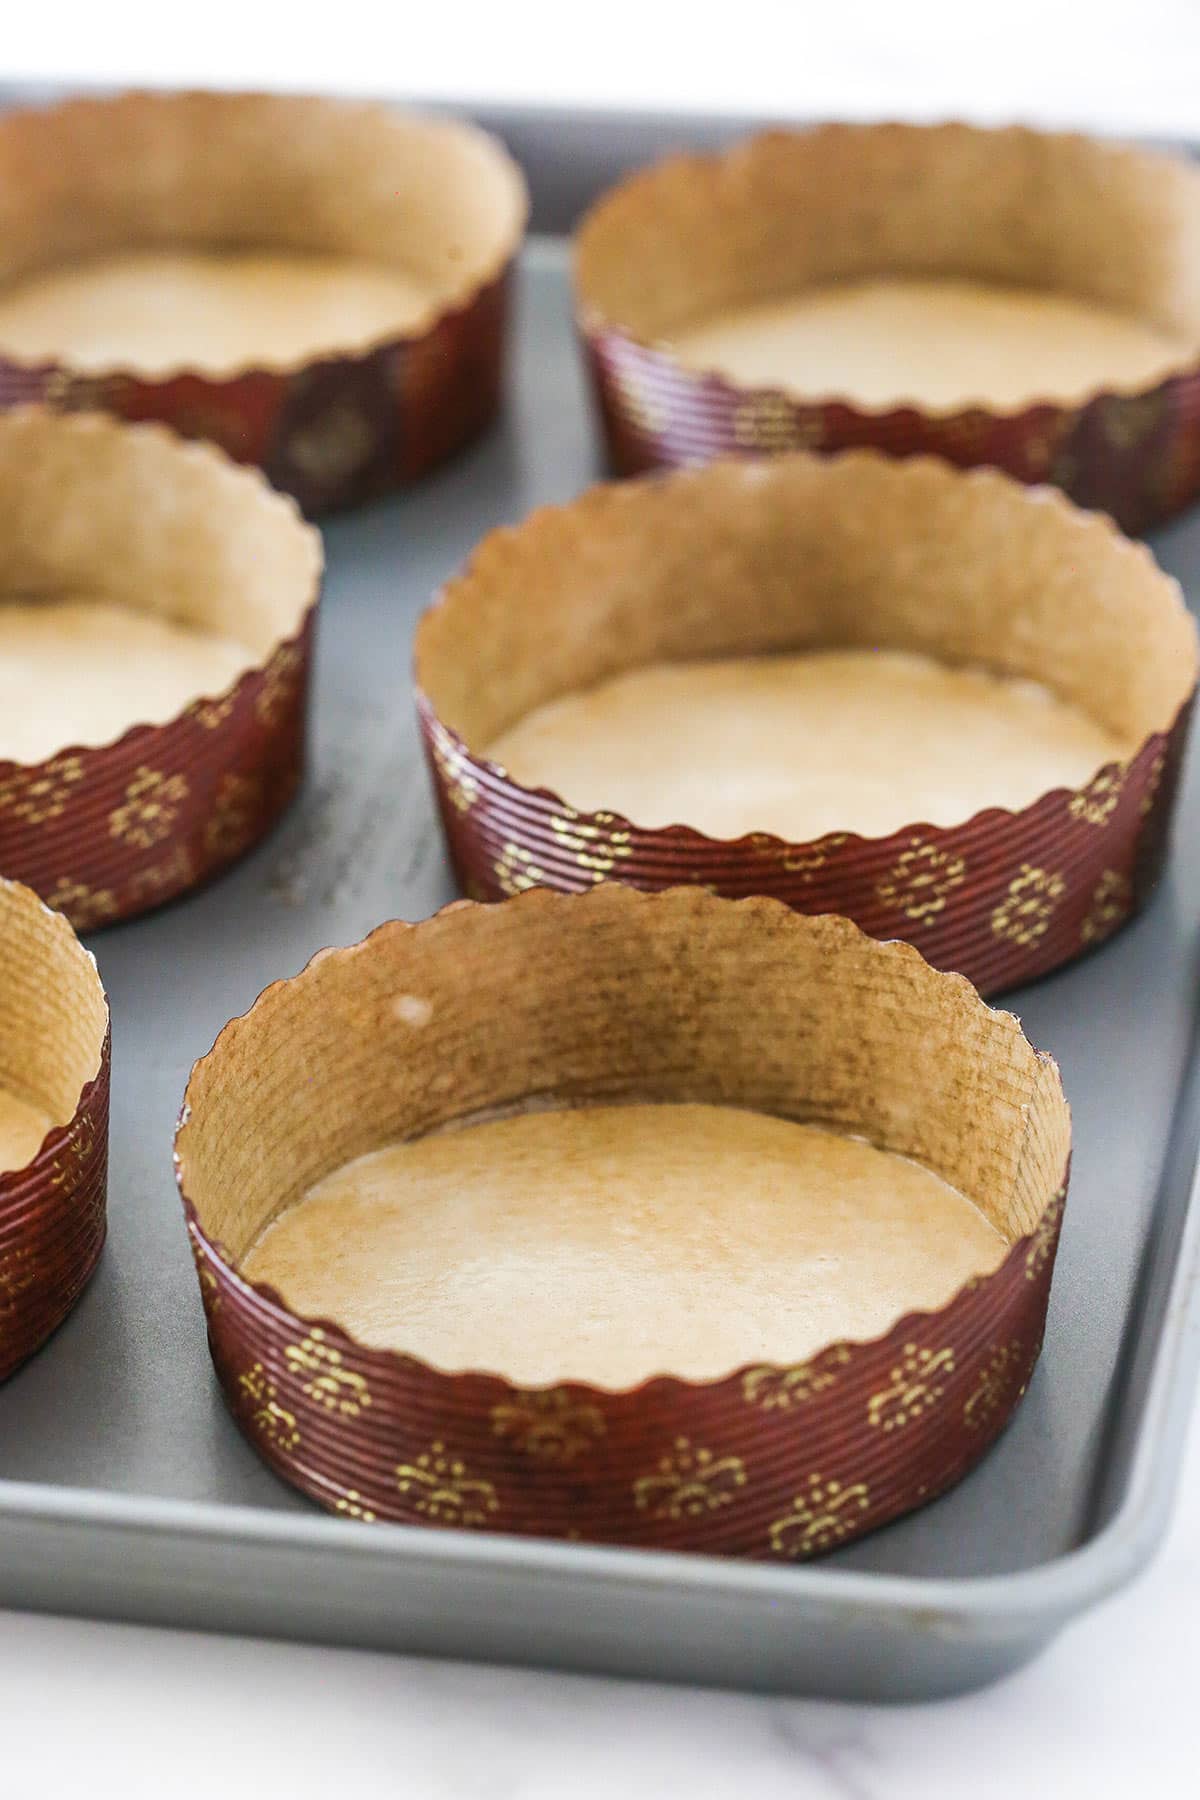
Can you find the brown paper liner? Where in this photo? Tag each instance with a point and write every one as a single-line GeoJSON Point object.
{"type": "Point", "coordinates": [785, 209]}
{"type": "Point", "coordinates": [805, 552]}
{"type": "Point", "coordinates": [620, 996]}
{"type": "Point", "coordinates": [54, 1052]}
{"type": "Point", "coordinates": [89, 506]}
{"type": "Point", "coordinates": [256, 171]}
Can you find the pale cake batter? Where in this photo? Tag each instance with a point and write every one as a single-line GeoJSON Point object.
{"type": "Point", "coordinates": [608, 1244]}
{"type": "Point", "coordinates": [941, 344]}
{"type": "Point", "coordinates": [839, 740]}
{"type": "Point", "coordinates": [157, 311]}
{"type": "Point", "coordinates": [23, 1130]}
{"type": "Point", "coordinates": [82, 672]}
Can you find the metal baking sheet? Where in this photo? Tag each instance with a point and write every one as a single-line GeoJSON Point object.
{"type": "Point", "coordinates": [125, 1490]}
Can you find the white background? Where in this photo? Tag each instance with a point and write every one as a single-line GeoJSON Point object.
{"type": "Point", "coordinates": [1129, 64]}
{"type": "Point", "coordinates": [1110, 1709]}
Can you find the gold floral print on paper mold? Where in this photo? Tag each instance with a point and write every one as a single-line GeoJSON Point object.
{"type": "Point", "coordinates": [769, 423]}
{"type": "Point", "coordinates": [232, 822]}
{"type": "Point", "coordinates": [1024, 915]}
{"type": "Point", "coordinates": [1132, 419]}
{"type": "Point", "coordinates": [443, 1491]}
{"type": "Point", "coordinates": [921, 882]}
{"type": "Point", "coordinates": [777, 1389]}
{"type": "Point", "coordinates": [68, 1164]}
{"type": "Point", "coordinates": [273, 1421]}
{"type": "Point", "coordinates": [1111, 899]}
{"type": "Point", "coordinates": [915, 1385]}
{"type": "Point", "coordinates": [56, 390]}
{"type": "Point", "coordinates": [151, 806]}
{"type": "Point", "coordinates": [453, 765]}
{"type": "Point", "coordinates": [175, 872]}
{"type": "Point", "coordinates": [212, 714]}
{"type": "Point", "coordinates": [210, 1287]}
{"type": "Point", "coordinates": [807, 864]}
{"type": "Point", "coordinates": [352, 1506]}
{"type": "Point", "coordinates": [17, 1276]}
{"type": "Point", "coordinates": [548, 1424]}
{"type": "Point", "coordinates": [333, 446]}
{"type": "Point", "coordinates": [325, 1377]}
{"type": "Point", "coordinates": [596, 847]}
{"type": "Point", "coordinates": [1097, 802]}
{"type": "Point", "coordinates": [1153, 783]}
{"type": "Point", "coordinates": [44, 797]}
{"type": "Point", "coordinates": [81, 393]}
{"type": "Point", "coordinates": [1042, 1243]}
{"type": "Point", "coordinates": [963, 436]}
{"type": "Point", "coordinates": [280, 685]}
{"type": "Point", "coordinates": [515, 870]}
{"type": "Point", "coordinates": [84, 906]}
{"type": "Point", "coordinates": [688, 1482]}
{"type": "Point", "coordinates": [996, 1386]}
{"type": "Point", "coordinates": [823, 1513]}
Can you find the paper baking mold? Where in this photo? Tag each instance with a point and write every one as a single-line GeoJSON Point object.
{"type": "Point", "coordinates": [804, 552]}
{"type": "Point", "coordinates": [550, 999]}
{"type": "Point", "coordinates": [258, 172]}
{"type": "Point", "coordinates": [92, 507]}
{"type": "Point", "coordinates": [773, 214]}
{"type": "Point", "coordinates": [54, 1054]}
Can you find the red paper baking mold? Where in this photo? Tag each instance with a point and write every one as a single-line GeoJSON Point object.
{"type": "Point", "coordinates": [668, 997]}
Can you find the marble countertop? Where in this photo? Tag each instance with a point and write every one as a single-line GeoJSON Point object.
{"type": "Point", "coordinates": [1108, 1710]}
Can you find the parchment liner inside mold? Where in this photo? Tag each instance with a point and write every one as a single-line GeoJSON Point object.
{"type": "Point", "coordinates": [786, 210]}
{"type": "Point", "coordinates": [54, 1054]}
{"type": "Point", "coordinates": [94, 510]}
{"type": "Point", "coordinates": [227, 172]}
{"type": "Point", "coordinates": [802, 553]}
{"type": "Point", "coordinates": [625, 996]}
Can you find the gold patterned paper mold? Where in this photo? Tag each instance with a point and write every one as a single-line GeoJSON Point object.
{"type": "Point", "coordinates": [434, 204]}
{"type": "Point", "coordinates": [54, 1059]}
{"type": "Point", "coordinates": [787, 211]}
{"type": "Point", "coordinates": [808, 552]}
{"type": "Point", "coordinates": [796, 1017]}
{"type": "Point", "coordinates": [169, 533]}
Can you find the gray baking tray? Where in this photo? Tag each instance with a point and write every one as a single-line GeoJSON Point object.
{"type": "Point", "coordinates": [125, 1490]}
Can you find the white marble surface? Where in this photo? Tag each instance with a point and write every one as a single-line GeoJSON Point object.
{"type": "Point", "coordinates": [1109, 1710]}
